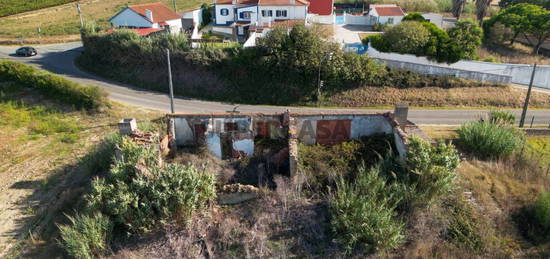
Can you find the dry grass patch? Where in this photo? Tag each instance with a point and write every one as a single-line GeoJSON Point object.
{"type": "Point", "coordinates": [440, 132]}
{"type": "Point", "coordinates": [504, 96]}
{"type": "Point", "coordinates": [64, 20]}
{"type": "Point", "coordinates": [512, 54]}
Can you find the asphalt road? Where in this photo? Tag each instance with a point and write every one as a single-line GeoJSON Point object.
{"type": "Point", "coordinates": [59, 59]}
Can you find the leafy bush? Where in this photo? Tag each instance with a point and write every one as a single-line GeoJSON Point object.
{"type": "Point", "coordinates": [9, 7]}
{"type": "Point", "coordinates": [87, 236]}
{"type": "Point", "coordinates": [407, 37]}
{"type": "Point", "coordinates": [139, 192]}
{"type": "Point", "coordinates": [363, 213]}
{"type": "Point", "coordinates": [542, 210]}
{"type": "Point", "coordinates": [54, 86]}
{"type": "Point", "coordinates": [501, 117]}
{"type": "Point", "coordinates": [433, 168]}
{"type": "Point", "coordinates": [420, 37]}
{"type": "Point", "coordinates": [488, 140]}
{"type": "Point", "coordinates": [246, 75]}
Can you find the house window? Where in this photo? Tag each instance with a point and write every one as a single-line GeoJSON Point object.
{"type": "Point", "coordinates": [246, 15]}
{"type": "Point", "coordinates": [224, 12]}
{"type": "Point", "coordinates": [267, 13]}
{"type": "Point", "coordinates": [280, 13]}
{"type": "Point", "coordinates": [390, 20]}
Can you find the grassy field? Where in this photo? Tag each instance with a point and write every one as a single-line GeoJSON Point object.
{"type": "Point", "coordinates": [63, 19]}
{"type": "Point", "coordinates": [9, 7]}
{"type": "Point", "coordinates": [42, 144]}
{"type": "Point", "coordinates": [433, 96]}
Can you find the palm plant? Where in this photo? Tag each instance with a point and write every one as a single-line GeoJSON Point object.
{"type": "Point", "coordinates": [458, 8]}
{"type": "Point", "coordinates": [481, 9]}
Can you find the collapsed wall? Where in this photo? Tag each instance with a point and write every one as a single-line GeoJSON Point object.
{"type": "Point", "coordinates": [237, 135]}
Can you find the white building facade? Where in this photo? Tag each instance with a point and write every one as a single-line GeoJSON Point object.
{"type": "Point", "coordinates": [237, 17]}
{"type": "Point", "coordinates": [157, 16]}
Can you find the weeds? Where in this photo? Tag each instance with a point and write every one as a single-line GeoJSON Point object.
{"type": "Point", "coordinates": [363, 213]}
{"type": "Point", "coordinates": [542, 210]}
{"type": "Point", "coordinates": [488, 140]}
{"type": "Point", "coordinates": [322, 165]}
{"type": "Point", "coordinates": [464, 227]}
{"type": "Point", "coordinates": [139, 192]}
{"type": "Point", "coordinates": [501, 117]}
{"type": "Point", "coordinates": [432, 168]}
{"type": "Point", "coordinates": [87, 236]}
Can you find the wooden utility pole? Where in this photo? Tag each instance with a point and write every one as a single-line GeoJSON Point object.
{"type": "Point", "coordinates": [170, 81]}
{"type": "Point", "coordinates": [526, 104]}
{"type": "Point", "coordinates": [80, 15]}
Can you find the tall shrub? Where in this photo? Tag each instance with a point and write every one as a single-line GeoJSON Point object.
{"type": "Point", "coordinates": [363, 213]}
{"type": "Point", "coordinates": [432, 168]}
{"type": "Point", "coordinates": [139, 192]}
{"type": "Point", "coordinates": [488, 140]}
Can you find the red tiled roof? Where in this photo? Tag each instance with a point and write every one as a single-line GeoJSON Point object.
{"type": "Point", "coordinates": [160, 11]}
{"type": "Point", "coordinates": [265, 2]}
{"type": "Point", "coordinates": [283, 2]}
{"type": "Point", "coordinates": [320, 7]}
{"type": "Point", "coordinates": [245, 2]}
{"type": "Point", "coordinates": [147, 31]}
{"type": "Point", "coordinates": [389, 11]}
{"type": "Point", "coordinates": [140, 31]}
{"type": "Point", "coordinates": [285, 23]}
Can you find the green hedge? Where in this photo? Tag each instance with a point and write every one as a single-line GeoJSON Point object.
{"type": "Point", "coordinates": [54, 86]}
{"type": "Point", "coordinates": [9, 7]}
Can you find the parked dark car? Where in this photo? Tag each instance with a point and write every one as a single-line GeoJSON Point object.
{"type": "Point", "coordinates": [26, 51]}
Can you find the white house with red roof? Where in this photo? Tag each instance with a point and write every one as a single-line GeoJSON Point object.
{"type": "Point", "coordinates": [321, 11]}
{"type": "Point", "coordinates": [148, 17]}
{"type": "Point", "coordinates": [389, 14]}
{"type": "Point", "coordinates": [238, 17]}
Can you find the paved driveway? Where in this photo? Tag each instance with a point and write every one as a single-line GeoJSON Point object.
{"type": "Point", "coordinates": [349, 34]}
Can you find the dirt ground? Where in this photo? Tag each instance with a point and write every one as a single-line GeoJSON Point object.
{"type": "Point", "coordinates": [33, 170]}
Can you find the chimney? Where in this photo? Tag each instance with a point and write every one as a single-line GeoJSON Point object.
{"type": "Point", "coordinates": [234, 2]}
{"type": "Point", "coordinates": [401, 113]}
{"type": "Point", "coordinates": [149, 14]}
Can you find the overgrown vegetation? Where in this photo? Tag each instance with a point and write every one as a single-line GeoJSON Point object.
{"type": "Point", "coordinates": [250, 75]}
{"type": "Point", "coordinates": [541, 209]}
{"type": "Point", "coordinates": [54, 86]}
{"type": "Point", "coordinates": [501, 117]}
{"type": "Point", "coordinates": [137, 194]}
{"type": "Point", "coordinates": [416, 35]}
{"type": "Point", "coordinates": [323, 165]}
{"type": "Point", "coordinates": [368, 209]}
{"type": "Point", "coordinates": [87, 237]}
{"type": "Point", "coordinates": [364, 212]}
{"type": "Point", "coordinates": [9, 7]}
{"type": "Point", "coordinates": [488, 140]}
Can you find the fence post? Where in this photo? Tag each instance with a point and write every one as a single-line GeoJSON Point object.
{"type": "Point", "coordinates": [532, 120]}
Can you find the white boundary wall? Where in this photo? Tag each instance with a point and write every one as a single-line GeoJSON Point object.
{"type": "Point", "coordinates": [518, 73]}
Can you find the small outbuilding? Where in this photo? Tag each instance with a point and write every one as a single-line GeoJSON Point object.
{"type": "Point", "coordinates": [389, 14]}
{"type": "Point", "coordinates": [155, 16]}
